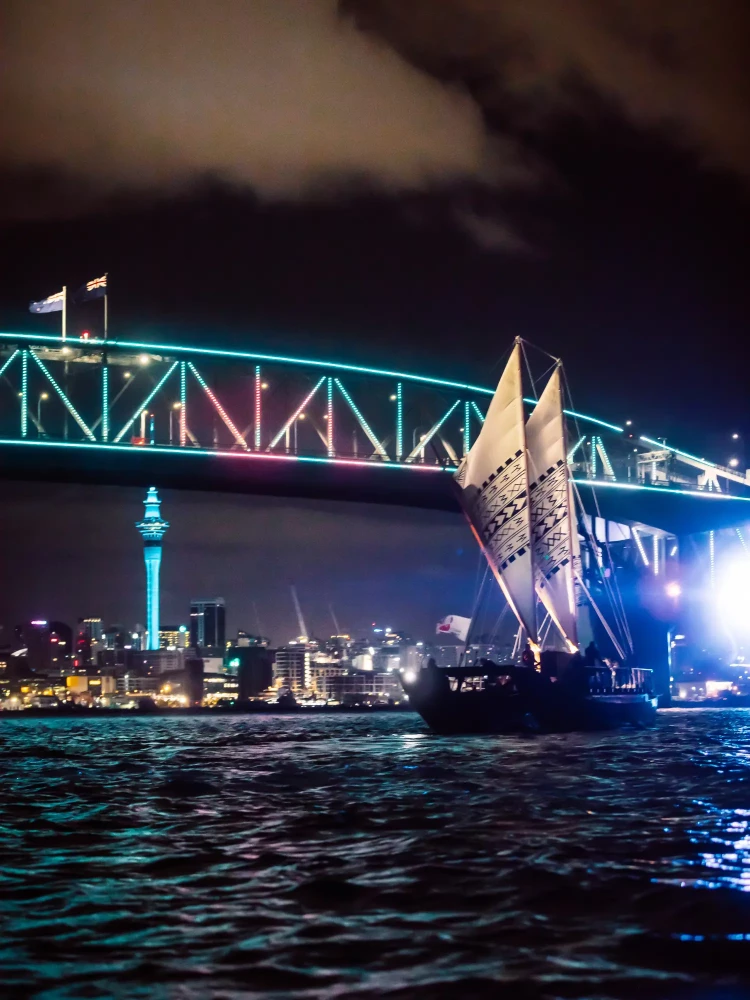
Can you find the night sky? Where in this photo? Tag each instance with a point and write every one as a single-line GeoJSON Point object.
{"type": "Point", "coordinates": [401, 184]}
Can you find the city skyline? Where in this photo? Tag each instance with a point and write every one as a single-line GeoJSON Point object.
{"type": "Point", "coordinates": [416, 568]}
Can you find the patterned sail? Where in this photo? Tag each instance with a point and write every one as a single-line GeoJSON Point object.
{"type": "Point", "coordinates": [494, 493]}
{"type": "Point", "coordinates": [553, 529]}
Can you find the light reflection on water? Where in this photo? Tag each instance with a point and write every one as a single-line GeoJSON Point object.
{"type": "Point", "coordinates": [359, 855]}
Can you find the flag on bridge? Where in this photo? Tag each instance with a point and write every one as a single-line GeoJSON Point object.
{"type": "Point", "coordinates": [95, 289]}
{"type": "Point", "coordinates": [52, 304]}
{"type": "Point", "coordinates": [454, 625]}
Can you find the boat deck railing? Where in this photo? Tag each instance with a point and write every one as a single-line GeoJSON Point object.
{"type": "Point", "coordinates": [619, 680]}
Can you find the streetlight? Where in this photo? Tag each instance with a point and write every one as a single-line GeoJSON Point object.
{"type": "Point", "coordinates": [42, 396]}
{"type": "Point", "coordinates": [175, 406]}
{"type": "Point", "coordinates": [300, 417]}
{"type": "Point", "coordinates": [734, 462]}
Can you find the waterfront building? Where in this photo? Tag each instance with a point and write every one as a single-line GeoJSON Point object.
{"type": "Point", "coordinates": [152, 529]}
{"type": "Point", "coordinates": [291, 668]}
{"type": "Point", "coordinates": [220, 688]}
{"type": "Point", "coordinates": [321, 676]}
{"type": "Point", "coordinates": [360, 686]}
{"type": "Point", "coordinates": [254, 666]}
{"type": "Point", "coordinates": [208, 623]}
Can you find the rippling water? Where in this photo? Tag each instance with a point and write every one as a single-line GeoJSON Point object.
{"type": "Point", "coordinates": [360, 856]}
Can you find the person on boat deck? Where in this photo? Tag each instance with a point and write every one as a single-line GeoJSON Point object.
{"type": "Point", "coordinates": [592, 656]}
{"type": "Point", "coordinates": [437, 677]}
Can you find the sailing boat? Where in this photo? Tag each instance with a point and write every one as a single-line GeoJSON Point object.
{"type": "Point", "coordinates": [516, 493]}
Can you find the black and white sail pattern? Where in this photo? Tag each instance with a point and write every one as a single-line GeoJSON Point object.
{"type": "Point", "coordinates": [553, 530]}
{"type": "Point", "coordinates": [494, 493]}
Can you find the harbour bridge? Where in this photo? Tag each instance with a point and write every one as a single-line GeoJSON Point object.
{"type": "Point", "coordinates": [129, 412]}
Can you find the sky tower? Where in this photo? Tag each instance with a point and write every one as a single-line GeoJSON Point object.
{"type": "Point", "coordinates": [152, 529]}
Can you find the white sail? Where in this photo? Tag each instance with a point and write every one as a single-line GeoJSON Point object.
{"type": "Point", "coordinates": [494, 492]}
{"type": "Point", "coordinates": [553, 528]}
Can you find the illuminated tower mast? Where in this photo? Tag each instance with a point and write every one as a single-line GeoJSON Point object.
{"type": "Point", "coordinates": [152, 529]}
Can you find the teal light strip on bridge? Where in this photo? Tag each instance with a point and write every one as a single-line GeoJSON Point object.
{"type": "Point", "coordinates": [676, 451]}
{"type": "Point", "coordinates": [582, 416]}
{"type": "Point", "coordinates": [92, 342]}
{"type": "Point", "coordinates": [10, 360]}
{"type": "Point", "coordinates": [703, 494]}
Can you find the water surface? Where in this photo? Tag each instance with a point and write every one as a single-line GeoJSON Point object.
{"type": "Point", "coordinates": [359, 856]}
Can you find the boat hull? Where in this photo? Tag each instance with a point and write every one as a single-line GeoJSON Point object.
{"type": "Point", "coordinates": [495, 711]}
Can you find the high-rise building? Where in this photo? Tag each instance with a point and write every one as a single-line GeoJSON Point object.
{"type": "Point", "coordinates": [61, 645]}
{"type": "Point", "coordinates": [34, 637]}
{"type": "Point", "coordinates": [152, 528]}
{"type": "Point", "coordinates": [208, 623]}
{"type": "Point", "coordinates": [92, 628]}
{"type": "Point", "coordinates": [89, 641]}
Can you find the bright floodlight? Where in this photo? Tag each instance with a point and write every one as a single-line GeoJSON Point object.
{"type": "Point", "coordinates": [733, 594]}
{"type": "Point", "coordinates": [734, 462]}
{"type": "Point", "coordinates": [409, 676]}
{"type": "Point", "coordinates": [143, 359]}
{"type": "Point", "coordinates": [673, 589]}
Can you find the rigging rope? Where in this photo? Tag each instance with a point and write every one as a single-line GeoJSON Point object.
{"type": "Point", "coordinates": [611, 587]}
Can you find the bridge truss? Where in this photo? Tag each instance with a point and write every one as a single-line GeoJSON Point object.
{"type": "Point", "coordinates": [124, 396]}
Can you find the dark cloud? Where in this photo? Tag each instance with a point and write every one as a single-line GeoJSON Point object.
{"type": "Point", "coordinates": [283, 95]}
{"type": "Point", "coordinates": [678, 66]}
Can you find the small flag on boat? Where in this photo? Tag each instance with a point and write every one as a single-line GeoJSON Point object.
{"type": "Point", "coordinates": [454, 625]}
{"type": "Point", "coordinates": [95, 289]}
{"type": "Point", "coordinates": [52, 304]}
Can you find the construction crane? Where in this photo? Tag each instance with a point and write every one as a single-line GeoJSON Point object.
{"type": "Point", "coordinates": [335, 620]}
{"type": "Point", "coordinates": [300, 620]}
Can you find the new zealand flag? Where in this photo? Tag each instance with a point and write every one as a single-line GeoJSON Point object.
{"type": "Point", "coordinates": [95, 289]}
